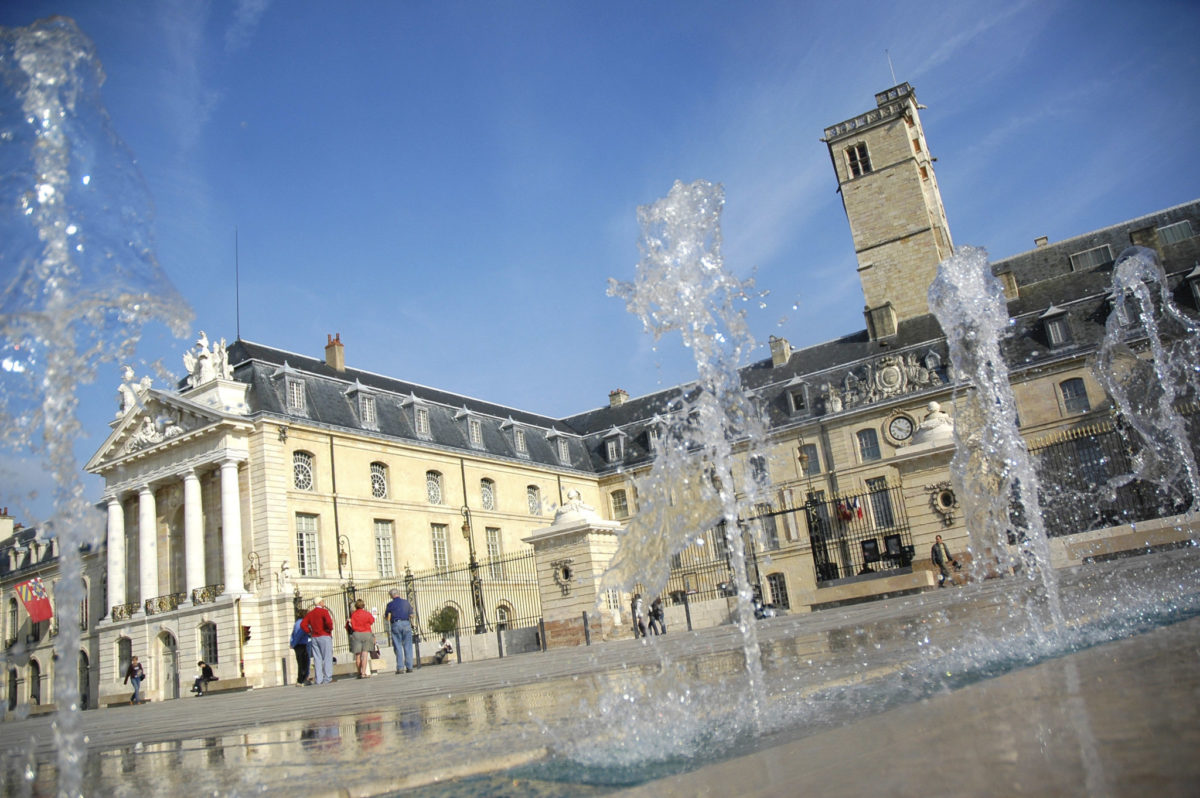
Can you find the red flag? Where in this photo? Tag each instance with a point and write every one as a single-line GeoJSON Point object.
{"type": "Point", "coordinates": [37, 603]}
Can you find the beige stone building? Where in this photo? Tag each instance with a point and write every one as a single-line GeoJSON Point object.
{"type": "Point", "coordinates": [270, 477]}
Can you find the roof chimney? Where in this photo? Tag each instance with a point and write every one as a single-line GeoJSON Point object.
{"type": "Point", "coordinates": [335, 353]}
{"type": "Point", "coordinates": [1041, 241]}
{"type": "Point", "coordinates": [781, 351]}
{"type": "Point", "coordinates": [617, 398]}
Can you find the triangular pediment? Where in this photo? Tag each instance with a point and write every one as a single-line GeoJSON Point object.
{"type": "Point", "coordinates": [160, 419]}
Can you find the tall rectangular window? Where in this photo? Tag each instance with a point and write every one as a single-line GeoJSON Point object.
{"type": "Point", "coordinates": [441, 547]}
{"type": "Point", "coordinates": [519, 441]}
{"type": "Point", "coordinates": [385, 560]}
{"type": "Point", "coordinates": [857, 159]}
{"type": "Point", "coordinates": [769, 529]}
{"type": "Point", "coordinates": [653, 440]}
{"type": "Point", "coordinates": [475, 432]}
{"type": "Point", "coordinates": [564, 451]}
{"type": "Point", "coordinates": [810, 462]}
{"type": "Point", "coordinates": [1074, 394]}
{"type": "Point", "coordinates": [881, 503]}
{"type": "Point", "coordinates": [868, 445]}
{"type": "Point", "coordinates": [421, 414]}
{"type": "Point", "coordinates": [306, 544]}
{"type": "Point", "coordinates": [495, 565]}
{"type": "Point", "coordinates": [620, 504]}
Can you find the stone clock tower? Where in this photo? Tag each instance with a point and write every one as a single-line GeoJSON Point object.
{"type": "Point", "coordinates": [885, 176]}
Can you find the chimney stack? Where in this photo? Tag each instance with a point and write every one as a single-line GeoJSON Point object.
{"type": "Point", "coordinates": [617, 398]}
{"type": "Point", "coordinates": [335, 353]}
{"type": "Point", "coordinates": [781, 351]}
{"type": "Point", "coordinates": [1041, 241]}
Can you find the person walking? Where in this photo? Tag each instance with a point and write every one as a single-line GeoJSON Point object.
{"type": "Point", "coordinates": [940, 554]}
{"type": "Point", "coordinates": [398, 614]}
{"type": "Point", "coordinates": [301, 643]}
{"type": "Point", "coordinates": [639, 619]}
{"type": "Point", "coordinates": [658, 617]}
{"type": "Point", "coordinates": [135, 673]}
{"type": "Point", "coordinates": [318, 623]}
{"type": "Point", "coordinates": [362, 639]}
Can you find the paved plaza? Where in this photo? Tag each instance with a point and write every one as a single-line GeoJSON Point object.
{"type": "Point", "coordinates": [1114, 718]}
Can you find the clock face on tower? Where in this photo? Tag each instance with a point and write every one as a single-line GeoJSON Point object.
{"type": "Point", "coordinates": [900, 428]}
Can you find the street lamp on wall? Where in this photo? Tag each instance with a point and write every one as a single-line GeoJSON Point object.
{"type": "Point", "coordinates": [345, 556]}
{"type": "Point", "coordinates": [476, 584]}
{"type": "Point", "coordinates": [254, 572]}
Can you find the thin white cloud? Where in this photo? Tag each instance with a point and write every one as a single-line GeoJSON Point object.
{"type": "Point", "coordinates": [245, 19]}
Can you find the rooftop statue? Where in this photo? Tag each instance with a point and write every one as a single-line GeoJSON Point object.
{"type": "Point", "coordinates": [205, 364]}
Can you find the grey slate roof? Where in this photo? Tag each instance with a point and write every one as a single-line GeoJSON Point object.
{"type": "Point", "coordinates": [1043, 275]}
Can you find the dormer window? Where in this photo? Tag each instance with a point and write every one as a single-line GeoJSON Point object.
{"type": "Point", "coordinates": [421, 422]}
{"type": "Point", "coordinates": [475, 433]}
{"type": "Point", "coordinates": [1174, 233]}
{"type": "Point", "coordinates": [564, 451]}
{"type": "Point", "coordinates": [519, 441]}
{"type": "Point", "coordinates": [366, 411]}
{"type": "Point", "coordinates": [614, 445]}
{"type": "Point", "coordinates": [653, 439]}
{"type": "Point", "coordinates": [1054, 323]}
{"type": "Point", "coordinates": [295, 395]}
{"type": "Point", "coordinates": [1091, 258]}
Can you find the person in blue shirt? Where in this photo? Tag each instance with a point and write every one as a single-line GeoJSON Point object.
{"type": "Point", "coordinates": [399, 615]}
{"type": "Point", "coordinates": [300, 643]}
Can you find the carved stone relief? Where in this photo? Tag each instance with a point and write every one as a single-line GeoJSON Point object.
{"type": "Point", "coordinates": [883, 378]}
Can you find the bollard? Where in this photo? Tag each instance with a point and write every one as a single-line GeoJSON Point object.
{"type": "Point", "coordinates": [416, 651]}
{"type": "Point", "coordinates": [542, 633]}
{"type": "Point", "coordinates": [457, 646]}
{"type": "Point", "coordinates": [500, 642]}
{"type": "Point", "coordinates": [286, 680]}
{"type": "Point", "coordinates": [587, 630]}
{"type": "Point", "coordinates": [687, 611]}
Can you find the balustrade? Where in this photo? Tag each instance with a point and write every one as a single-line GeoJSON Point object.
{"type": "Point", "coordinates": [123, 612]}
{"type": "Point", "coordinates": [207, 594]}
{"type": "Point", "coordinates": [165, 603]}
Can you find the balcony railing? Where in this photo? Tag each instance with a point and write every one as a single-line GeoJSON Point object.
{"type": "Point", "coordinates": [123, 612]}
{"type": "Point", "coordinates": [207, 594]}
{"type": "Point", "coordinates": [165, 603]}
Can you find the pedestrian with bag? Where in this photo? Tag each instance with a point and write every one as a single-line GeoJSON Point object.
{"type": "Point", "coordinates": [301, 643]}
{"type": "Point", "coordinates": [362, 639]}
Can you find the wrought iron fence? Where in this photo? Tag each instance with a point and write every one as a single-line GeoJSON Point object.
{"type": "Point", "coordinates": [858, 534]}
{"type": "Point", "coordinates": [1084, 481]}
{"type": "Point", "coordinates": [506, 588]}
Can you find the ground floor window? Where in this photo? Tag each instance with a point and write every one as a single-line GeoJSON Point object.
{"type": "Point", "coordinates": [778, 585]}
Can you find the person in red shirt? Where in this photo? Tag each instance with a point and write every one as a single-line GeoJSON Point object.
{"type": "Point", "coordinates": [319, 625]}
{"type": "Point", "coordinates": [362, 639]}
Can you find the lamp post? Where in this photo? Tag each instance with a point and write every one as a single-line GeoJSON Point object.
{"type": "Point", "coordinates": [344, 556]}
{"type": "Point", "coordinates": [254, 572]}
{"type": "Point", "coordinates": [476, 585]}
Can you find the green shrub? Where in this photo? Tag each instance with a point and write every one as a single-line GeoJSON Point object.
{"type": "Point", "coordinates": [444, 621]}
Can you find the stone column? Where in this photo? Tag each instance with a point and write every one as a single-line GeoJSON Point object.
{"type": "Point", "coordinates": [116, 554]}
{"type": "Point", "coordinates": [231, 528]}
{"type": "Point", "coordinates": [147, 546]}
{"type": "Point", "coordinates": [193, 534]}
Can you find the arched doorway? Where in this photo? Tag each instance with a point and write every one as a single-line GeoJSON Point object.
{"type": "Point", "coordinates": [12, 689]}
{"type": "Point", "coordinates": [85, 681]}
{"type": "Point", "coordinates": [168, 666]}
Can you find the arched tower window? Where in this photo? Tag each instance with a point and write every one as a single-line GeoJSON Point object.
{"type": "Point", "coordinates": [302, 470]}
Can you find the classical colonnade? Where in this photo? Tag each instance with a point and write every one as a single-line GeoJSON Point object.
{"type": "Point", "coordinates": [193, 539]}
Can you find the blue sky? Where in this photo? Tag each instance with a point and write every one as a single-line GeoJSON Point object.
{"type": "Point", "coordinates": [449, 186]}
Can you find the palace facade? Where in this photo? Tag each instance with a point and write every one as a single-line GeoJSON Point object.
{"type": "Point", "coordinates": [269, 477]}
